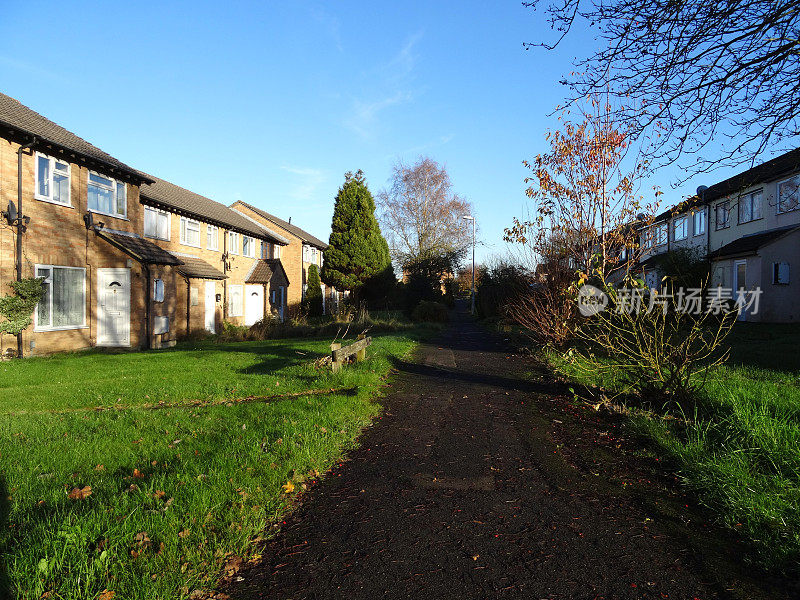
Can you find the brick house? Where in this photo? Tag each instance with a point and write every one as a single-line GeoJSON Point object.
{"type": "Point", "coordinates": [83, 216]}
{"type": "Point", "coordinates": [755, 235]}
{"type": "Point", "coordinates": [230, 270]}
{"type": "Point", "coordinates": [748, 227]}
{"type": "Point", "coordinates": [302, 251]}
{"type": "Point", "coordinates": [125, 257]}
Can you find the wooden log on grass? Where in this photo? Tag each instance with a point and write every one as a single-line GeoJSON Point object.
{"type": "Point", "coordinates": [340, 354]}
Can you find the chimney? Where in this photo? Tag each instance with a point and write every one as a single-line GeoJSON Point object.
{"type": "Point", "coordinates": [290, 220]}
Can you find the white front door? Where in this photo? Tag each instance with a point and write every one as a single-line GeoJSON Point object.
{"type": "Point", "coordinates": [211, 306]}
{"type": "Point", "coordinates": [739, 282]}
{"type": "Point", "coordinates": [113, 307]}
{"type": "Point", "coordinates": [253, 304]}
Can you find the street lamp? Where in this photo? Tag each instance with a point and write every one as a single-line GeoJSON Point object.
{"type": "Point", "coordinates": [471, 218]}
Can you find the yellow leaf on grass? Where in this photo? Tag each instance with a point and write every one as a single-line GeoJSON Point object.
{"type": "Point", "coordinates": [288, 487]}
{"type": "Point", "coordinates": [80, 493]}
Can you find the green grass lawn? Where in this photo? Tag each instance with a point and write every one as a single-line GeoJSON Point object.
{"type": "Point", "coordinates": [741, 451]}
{"type": "Point", "coordinates": [174, 491]}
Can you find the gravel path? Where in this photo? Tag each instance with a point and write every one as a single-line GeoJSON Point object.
{"type": "Point", "coordinates": [476, 483]}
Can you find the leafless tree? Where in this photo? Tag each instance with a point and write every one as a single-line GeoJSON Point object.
{"type": "Point", "coordinates": [420, 214]}
{"type": "Point", "coordinates": [714, 82]}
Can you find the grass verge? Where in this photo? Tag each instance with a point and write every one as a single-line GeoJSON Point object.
{"type": "Point", "coordinates": [739, 449]}
{"type": "Point", "coordinates": [150, 503]}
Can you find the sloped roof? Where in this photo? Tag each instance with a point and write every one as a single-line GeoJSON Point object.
{"type": "Point", "coordinates": [138, 247]}
{"type": "Point", "coordinates": [17, 116]}
{"type": "Point", "coordinates": [750, 243]}
{"type": "Point", "coordinates": [174, 198]}
{"type": "Point", "coordinates": [784, 164]}
{"type": "Point", "coordinates": [294, 229]}
{"type": "Point", "coordinates": [197, 268]}
{"type": "Point", "coordinates": [263, 270]}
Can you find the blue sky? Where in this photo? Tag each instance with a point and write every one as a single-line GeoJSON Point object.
{"type": "Point", "coordinates": [272, 102]}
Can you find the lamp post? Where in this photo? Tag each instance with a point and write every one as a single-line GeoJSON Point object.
{"type": "Point", "coordinates": [471, 218]}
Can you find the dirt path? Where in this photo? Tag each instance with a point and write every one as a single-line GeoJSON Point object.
{"type": "Point", "coordinates": [478, 484]}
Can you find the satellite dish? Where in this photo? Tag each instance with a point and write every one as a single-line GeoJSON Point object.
{"type": "Point", "coordinates": [701, 190]}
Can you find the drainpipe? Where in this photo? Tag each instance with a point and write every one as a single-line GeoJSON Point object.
{"type": "Point", "coordinates": [224, 271]}
{"type": "Point", "coordinates": [188, 303]}
{"type": "Point", "coordinates": [20, 224]}
{"type": "Point", "coordinates": [148, 290]}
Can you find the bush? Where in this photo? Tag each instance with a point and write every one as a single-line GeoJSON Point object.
{"type": "Point", "coordinates": [660, 354]}
{"type": "Point", "coordinates": [430, 312]}
{"type": "Point", "coordinates": [312, 301]}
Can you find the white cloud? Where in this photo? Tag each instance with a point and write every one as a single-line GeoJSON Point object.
{"type": "Point", "coordinates": [389, 86]}
{"type": "Point", "coordinates": [305, 183]}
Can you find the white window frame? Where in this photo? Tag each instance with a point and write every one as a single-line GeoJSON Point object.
{"type": "Point", "coordinates": [661, 236]}
{"type": "Point", "coordinates": [276, 250]}
{"type": "Point", "coordinates": [159, 213]}
{"type": "Point", "coordinates": [699, 215]}
{"type": "Point", "coordinates": [183, 227]}
{"type": "Point", "coordinates": [795, 178]}
{"type": "Point", "coordinates": [158, 290]}
{"type": "Point", "coordinates": [38, 326]}
{"type": "Point", "coordinates": [683, 224]}
{"type": "Point", "coordinates": [749, 198]}
{"type": "Point", "coordinates": [231, 312]}
{"type": "Point", "coordinates": [212, 232]}
{"type": "Point", "coordinates": [726, 205]}
{"type": "Point", "coordinates": [233, 242]}
{"type": "Point", "coordinates": [251, 243]}
{"type": "Point", "coordinates": [115, 183]}
{"type": "Point", "coordinates": [52, 172]}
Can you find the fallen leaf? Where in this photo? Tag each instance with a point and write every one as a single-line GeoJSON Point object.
{"type": "Point", "coordinates": [137, 474]}
{"type": "Point", "coordinates": [106, 595]}
{"type": "Point", "coordinates": [80, 493]}
{"type": "Point", "coordinates": [158, 495]}
{"type": "Point", "coordinates": [288, 487]}
{"type": "Point", "coordinates": [99, 468]}
{"type": "Point", "coordinates": [185, 533]}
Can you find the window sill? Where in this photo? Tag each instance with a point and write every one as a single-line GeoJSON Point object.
{"type": "Point", "coordinates": [51, 201]}
{"type": "Point", "coordinates": [153, 237]}
{"type": "Point", "coordinates": [751, 221]}
{"type": "Point", "coordinates": [64, 328]}
{"type": "Point", "coordinates": [105, 214]}
{"type": "Point", "coordinates": [198, 246]}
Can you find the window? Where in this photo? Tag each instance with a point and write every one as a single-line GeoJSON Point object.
{"type": "Point", "coordinates": [158, 290]}
{"type": "Point", "coordinates": [789, 194]}
{"type": "Point", "coordinates": [661, 233]}
{"type": "Point", "coordinates": [52, 180]}
{"type": "Point", "coordinates": [106, 195]}
{"type": "Point", "coordinates": [264, 250]}
{"type": "Point", "coordinates": [750, 207]}
{"type": "Point", "coordinates": [190, 232]}
{"type": "Point", "coordinates": [276, 251]}
{"type": "Point", "coordinates": [680, 228]}
{"type": "Point", "coordinates": [233, 242]}
{"type": "Point", "coordinates": [248, 246]}
{"type": "Point", "coordinates": [63, 305]}
{"type": "Point", "coordinates": [160, 325]}
{"type": "Point", "coordinates": [699, 218]}
{"type": "Point", "coordinates": [236, 306]}
{"type": "Point", "coordinates": [723, 215]}
{"type": "Point", "coordinates": [212, 237]}
{"type": "Point", "coordinates": [156, 223]}
{"type": "Point", "coordinates": [780, 273]}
